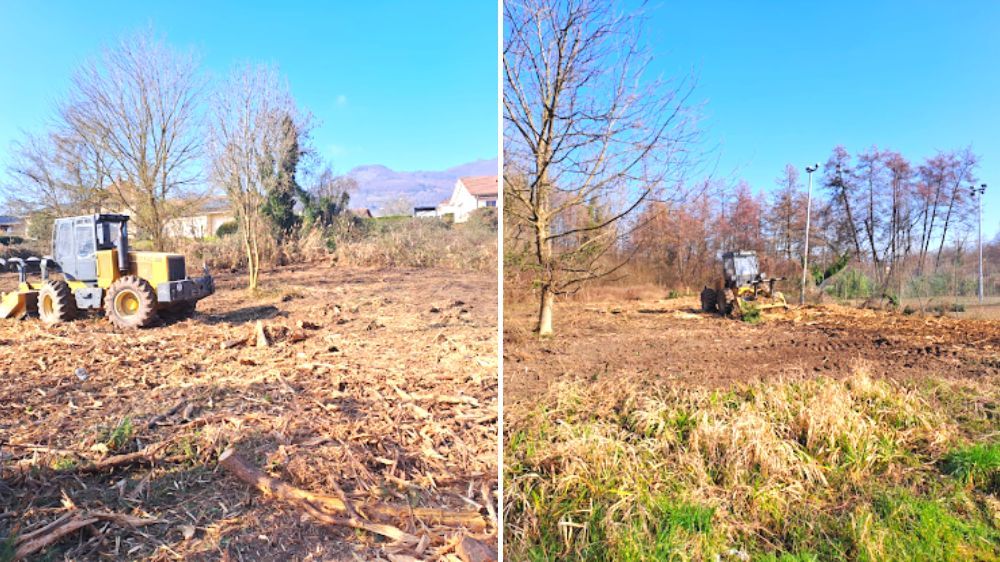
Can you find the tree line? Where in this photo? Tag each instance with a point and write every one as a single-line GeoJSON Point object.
{"type": "Point", "coordinates": [599, 161]}
{"type": "Point", "coordinates": [900, 219]}
{"type": "Point", "coordinates": [144, 130]}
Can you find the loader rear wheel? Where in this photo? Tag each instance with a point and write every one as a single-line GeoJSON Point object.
{"type": "Point", "coordinates": [56, 302]}
{"type": "Point", "coordinates": [131, 303]}
{"type": "Point", "coordinates": [708, 302]}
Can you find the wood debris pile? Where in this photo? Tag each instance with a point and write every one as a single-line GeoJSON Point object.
{"type": "Point", "coordinates": [373, 390]}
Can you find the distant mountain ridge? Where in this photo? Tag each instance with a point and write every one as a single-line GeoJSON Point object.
{"type": "Point", "coordinates": [379, 186]}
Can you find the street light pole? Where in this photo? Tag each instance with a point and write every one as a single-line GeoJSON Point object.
{"type": "Point", "coordinates": [980, 191]}
{"type": "Point", "coordinates": [805, 253]}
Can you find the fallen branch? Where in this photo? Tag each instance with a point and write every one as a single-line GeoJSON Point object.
{"type": "Point", "coordinates": [52, 535]}
{"type": "Point", "coordinates": [336, 508]}
{"type": "Point", "coordinates": [37, 540]}
{"type": "Point", "coordinates": [147, 454]}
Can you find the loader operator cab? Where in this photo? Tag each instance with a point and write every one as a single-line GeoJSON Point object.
{"type": "Point", "coordinates": [740, 268]}
{"type": "Point", "coordinates": [76, 241]}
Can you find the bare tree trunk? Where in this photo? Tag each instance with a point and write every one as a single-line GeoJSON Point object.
{"type": "Point", "coordinates": [547, 302]}
{"type": "Point", "coordinates": [586, 140]}
{"type": "Point", "coordinates": [246, 144]}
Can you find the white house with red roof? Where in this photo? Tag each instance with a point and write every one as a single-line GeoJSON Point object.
{"type": "Point", "coordinates": [470, 193]}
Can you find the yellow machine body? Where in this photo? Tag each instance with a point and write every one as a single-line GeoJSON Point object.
{"type": "Point", "coordinates": [16, 304]}
{"type": "Point", "coordinates": [153, 267]}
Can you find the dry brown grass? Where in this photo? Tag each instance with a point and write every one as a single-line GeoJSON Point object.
{"type": "Point", "coordinates": [421, 243]}
{"type": "Point", "coordinates": [623, 470]}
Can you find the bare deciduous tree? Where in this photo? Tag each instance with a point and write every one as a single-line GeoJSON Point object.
{"type": "Point", "coordinates": [586, 140]}
{"type": "Point", "coordinates": [57, 174]}
{"type": "Point", "coordinates": [136, 108]}
{"type": "Point", "coordinates": [247, 137]}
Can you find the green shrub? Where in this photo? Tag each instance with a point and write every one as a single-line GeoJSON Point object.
{"type": "Point", "coordinates": [820, 274]}
{"type": "Point", "coordinates": [851, 284]}
{"type": "Point", "coordinates": [226, 229]}
{"type": "Point", "coordinates": [120, 435]}
{"type": "Point", "coordinates": [749, 312]}
{"type": "Point", "coordinates": [483, 217]}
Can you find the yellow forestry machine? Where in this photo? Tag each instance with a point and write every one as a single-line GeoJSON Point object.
{"type": "Point", "coordinates": [98, 271]}
{"type": "Point", "coordinates": [742, 286]}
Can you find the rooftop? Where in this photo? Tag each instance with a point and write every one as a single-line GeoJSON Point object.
{"type": "Point", "coordinates": [481, 186]}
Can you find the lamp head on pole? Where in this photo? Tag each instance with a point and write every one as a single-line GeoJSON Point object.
{"type": "Point", "coordinates": [813, 168]}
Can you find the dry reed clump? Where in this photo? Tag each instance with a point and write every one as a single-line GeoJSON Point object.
{"type": "Point", "coordinates": [769, 463]}
{"type": "Point", "coordinates": [219, 254]}
{"type": "Point", "coordinates": [422, 243]}
{"type": "Point", "coordinates": [394, 242]}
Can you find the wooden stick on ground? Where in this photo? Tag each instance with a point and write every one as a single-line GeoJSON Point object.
{"type": "Point", "coordinates": [69, 523]}
{"type": "Point", "coordinates": [147, 454]}
{"type": "Point", "coordinates": [52, 534]}
{"type": "Point", "coordinates": [335, 508]}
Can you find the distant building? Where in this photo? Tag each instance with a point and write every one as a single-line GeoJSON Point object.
{"type": "Point", "coordinates": [202, 222]}
{"type": "Point", "coordinates": [470, 193]}
{"type": "Point", "coordinates": [426, 211]}
{"type": "Point", "coordinates": [13, 226]}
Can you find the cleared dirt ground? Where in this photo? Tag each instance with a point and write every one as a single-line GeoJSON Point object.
{"type": "Point", "coordinates": [380, 383]}
{"type": "Point", "coordinates": [673, 342]}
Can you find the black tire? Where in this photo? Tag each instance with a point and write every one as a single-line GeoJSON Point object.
{"type": "Point", "coordinates": [708, 302]}
{"type": "Point", "coordinates": [56, 302]}
{"type": "Point", "coordinates": [131, 303]}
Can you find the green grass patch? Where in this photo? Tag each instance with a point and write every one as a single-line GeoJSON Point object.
{"type": "Point", "coordinates": [902, 526]}
{"type": "Point", "coordinates": [118, 436]}
{"type": "Point", "coordinates": [977, 466]}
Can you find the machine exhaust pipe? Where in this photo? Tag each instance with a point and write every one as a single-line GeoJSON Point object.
{"type": "Point", "coordinates": [123, 247]}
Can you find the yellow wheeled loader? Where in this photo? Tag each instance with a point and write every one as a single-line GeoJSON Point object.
{"type": "Point", "coordinates": [742, 285]}
{"type": "Point", "coordinates": [98, 271]}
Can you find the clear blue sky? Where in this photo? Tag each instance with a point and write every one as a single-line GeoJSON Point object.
{"type": "Point", "coordinates": [411, 85]}
{"type": "Point", "coordinates": [786, 81]}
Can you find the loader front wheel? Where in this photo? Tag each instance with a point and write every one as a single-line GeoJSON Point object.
{"type": "Point", "coordinates": [131, 303]}
{"type": "Point", "coordinates": [56, 302]}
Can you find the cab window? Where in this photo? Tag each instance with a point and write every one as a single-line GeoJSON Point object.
{"type": "Point", "coordinates": [84, 241]}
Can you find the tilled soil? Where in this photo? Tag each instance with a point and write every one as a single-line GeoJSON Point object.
{"type": "Point", "coordinates": [673, 342]}
{"type": "Point", "coordinates": [379, 383]}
